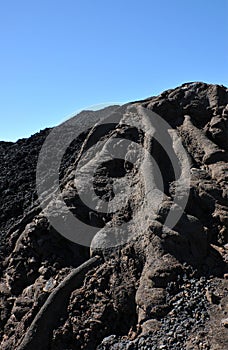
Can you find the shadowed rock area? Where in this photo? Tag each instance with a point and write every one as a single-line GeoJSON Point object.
{"type": "Point", "coordinates": [138, 283]}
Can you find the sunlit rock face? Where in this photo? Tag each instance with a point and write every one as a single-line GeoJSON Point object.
{"type": "Point", "coordinates": [141, 202]}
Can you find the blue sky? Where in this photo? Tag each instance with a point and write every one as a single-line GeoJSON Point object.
{"type": "Point", "coordinates": [60, 56]}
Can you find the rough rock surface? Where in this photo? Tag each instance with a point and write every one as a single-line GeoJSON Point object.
{"type": "Point", "coordinates": [163, 289]}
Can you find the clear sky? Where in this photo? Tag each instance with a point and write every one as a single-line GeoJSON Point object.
{"type": "Point", "coordinates": [58, 56]}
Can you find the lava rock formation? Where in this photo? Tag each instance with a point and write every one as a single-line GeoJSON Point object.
{"type": "Point", "coordinates": [162, 288]}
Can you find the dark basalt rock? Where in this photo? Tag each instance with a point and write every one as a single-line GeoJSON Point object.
{"type": "Point", "coordinates": [165, 288]}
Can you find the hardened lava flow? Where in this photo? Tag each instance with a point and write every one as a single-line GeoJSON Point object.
{"type": "Point", "coordinates": [152, 273]}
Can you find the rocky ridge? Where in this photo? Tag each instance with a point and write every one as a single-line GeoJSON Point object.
{"type": "Point", "coordinates": [163, 288]}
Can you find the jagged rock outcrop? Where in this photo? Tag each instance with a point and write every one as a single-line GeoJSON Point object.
{"type": "Point", "coordinates": [165, 286]}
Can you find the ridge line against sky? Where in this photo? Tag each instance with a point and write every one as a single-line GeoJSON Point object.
{"type": "Point", "coordinates": [60, 57]}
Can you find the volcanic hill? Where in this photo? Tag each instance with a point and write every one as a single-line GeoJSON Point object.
{"type": "Point", "coordinates": [136, 283]}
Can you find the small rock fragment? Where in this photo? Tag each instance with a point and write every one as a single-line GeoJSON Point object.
{"type": "Point", "coordinates": [224, 322]}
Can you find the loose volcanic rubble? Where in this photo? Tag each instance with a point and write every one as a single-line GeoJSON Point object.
{"type": "Point", "coordinates": [162, 288]}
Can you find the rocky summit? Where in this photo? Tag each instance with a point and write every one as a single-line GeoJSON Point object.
{"type": "Point", "coordinates": [114, 228]}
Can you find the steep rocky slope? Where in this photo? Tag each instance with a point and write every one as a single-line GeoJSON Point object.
{"type": "Point", "coordinates": [165, 286]}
